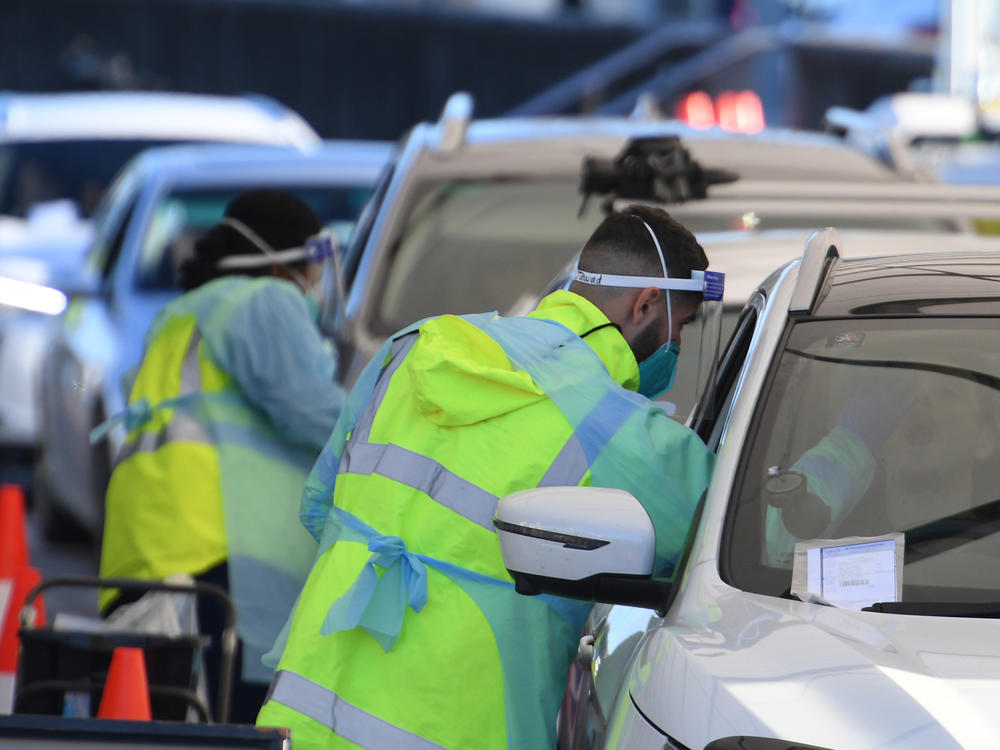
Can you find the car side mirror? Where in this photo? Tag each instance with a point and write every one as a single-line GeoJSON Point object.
{"type": "Point", "coordinates": [590, 543]}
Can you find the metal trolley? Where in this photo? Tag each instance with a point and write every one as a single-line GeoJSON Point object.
{"type": "Point", "coordinates": [56, 665]}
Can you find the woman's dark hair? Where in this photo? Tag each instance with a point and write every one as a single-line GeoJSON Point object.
{"type": "Point", "coordinates": [281, 220]}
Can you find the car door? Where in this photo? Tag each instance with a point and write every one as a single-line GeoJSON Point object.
{"type": "Point", "coordinates": [71, 373]}
{"type": "Point", "coordinates": [612, 633]}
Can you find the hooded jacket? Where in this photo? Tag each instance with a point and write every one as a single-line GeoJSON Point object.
{"type": "Point", "coordinates": [408, 632]}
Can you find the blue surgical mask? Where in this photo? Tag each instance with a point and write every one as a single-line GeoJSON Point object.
{"type": "Point", "coordinates": [657, 371]}
{"type": "Point", "coordinates": [312, 305]}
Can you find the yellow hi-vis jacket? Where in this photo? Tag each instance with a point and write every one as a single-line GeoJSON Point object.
{"type": "Point", "coordinates": [206, 474]}
{"type": "Point", "coordinates": [408, 632]}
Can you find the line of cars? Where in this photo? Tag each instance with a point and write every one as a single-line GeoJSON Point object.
{"type": "Point", "coordinates": [58, 153]}
{"type": "Point", "coordinates": [112, 263]}
{"type": "Point", "coordinates": [471, 215]}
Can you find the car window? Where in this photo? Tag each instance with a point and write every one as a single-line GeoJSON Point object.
{"type": "Point", "coordinates": [475, 246]}
{"type": "Point", "coordinates": [363, 227]}
{"type": "Point", "coordinates": [714, 404]}
{"type": "Point", "coordinates": [895, 424]}
{"type": "Point", "coordinates": [180, 218]}
{"type": "Point", "coordinates": [108, 246]}
{"type": "Point", "coordinates": [80, 170]}
{"type": "Point", "coordinates": [469, 246]}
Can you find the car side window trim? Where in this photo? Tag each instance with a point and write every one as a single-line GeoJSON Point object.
{"type": "Point", "coordinates": [714, 403]}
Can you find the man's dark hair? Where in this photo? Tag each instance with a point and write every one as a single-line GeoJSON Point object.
{"type": "Point", "coordinates": [279, 218]}
{"type": "Point", "coordinates": [621, 245]}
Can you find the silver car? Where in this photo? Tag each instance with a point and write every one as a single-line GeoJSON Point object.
{"type": "Point", "coordinates": [482, 214]}
{"type": "Point", "coordinates": [146, 227]}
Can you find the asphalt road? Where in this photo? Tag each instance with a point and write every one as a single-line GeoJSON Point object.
{"type": "Point", "coordinates": [64, 559]}
{"type": "Point", "coordinates": [80, 558]}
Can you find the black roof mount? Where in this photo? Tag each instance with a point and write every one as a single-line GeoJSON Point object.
{"type": "Point", "coordinates": [656, 169]}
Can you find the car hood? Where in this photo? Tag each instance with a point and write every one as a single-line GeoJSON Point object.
{"type": "Point", "coordinates": [753, 665]}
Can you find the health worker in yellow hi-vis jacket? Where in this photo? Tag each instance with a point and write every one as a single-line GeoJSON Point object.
{"type": "Point", "coordinates": [232, 402]}
{"type": "Point", "coordinates": [408, 632]}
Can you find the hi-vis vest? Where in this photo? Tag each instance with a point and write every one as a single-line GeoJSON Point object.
{"type": "Point", "coordinates": [203, 477]}
{"type": "Point", "coordinates": [408, 632]}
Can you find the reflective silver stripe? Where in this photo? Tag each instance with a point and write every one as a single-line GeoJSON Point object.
{"type": "Point", "coordinates": [421, 473]}
{"type": "Point", "coordinates": [569, 467]}
{"type": "Point", "coordinates": [397, 353]}
{"type": "Point", "coordinates": [191, 367]}
{"type": "Point", "coordinates": [350, 722]}
{"type": "Point", "coordinates": [180, 427]}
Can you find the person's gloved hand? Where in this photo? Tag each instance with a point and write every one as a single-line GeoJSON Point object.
{"type": "Point", "coordinates": [874, 410]}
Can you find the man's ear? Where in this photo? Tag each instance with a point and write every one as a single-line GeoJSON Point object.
{"type": "Point", "coordinates": [644, 304]}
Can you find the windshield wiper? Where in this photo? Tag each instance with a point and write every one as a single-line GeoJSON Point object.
{"type": "Point", "coordinates": [948, 532]}
{"type": "Point", "coordinates": [938, 609]}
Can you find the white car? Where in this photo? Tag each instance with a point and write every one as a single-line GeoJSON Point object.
{"type": "Point", "coordinates": [58, 152]}
{"type": "Point", "coordinates": [152, 216]}
{"type": "Point", "coordinates": [866, 618]}
{"type": "Point", "coordinates": [64, 148]}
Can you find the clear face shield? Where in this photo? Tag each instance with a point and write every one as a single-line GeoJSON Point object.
{"type": "Point", "coordinates": [684, 377]}
{"type": "Point", "coordinates": [320, 253]}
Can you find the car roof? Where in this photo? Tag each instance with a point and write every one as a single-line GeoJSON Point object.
{"type": "Point", "coordinates": [332, 160]}
{"type": "Point", "coordinates": [143, 115]}
{"type": "Point", "coordinates": [748, 257]}
{"type": "Point", "coordinates": [557, 145]}
{"type": "Point", "coordinates": [918, 284]}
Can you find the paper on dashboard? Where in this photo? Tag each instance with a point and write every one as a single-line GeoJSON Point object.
{"type": "Point", "coordinates": [852, 572]}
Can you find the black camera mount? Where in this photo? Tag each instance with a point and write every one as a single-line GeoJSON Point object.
{"type": "Point", "coordinates": [656, 169]}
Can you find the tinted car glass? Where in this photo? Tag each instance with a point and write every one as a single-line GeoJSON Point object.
{"type": "Point", "coordinates": [475, 246]}
{"type": "Point", "coordinates": [31, 173]}
{"type": "Point", "coordinates": [924, 395]}
{"type": "Point", "coordinates": [470, 246]}
{"type": "Point", "coordinates": [181, 217]}
{"type": "Point", "coordinates": [361, 230]}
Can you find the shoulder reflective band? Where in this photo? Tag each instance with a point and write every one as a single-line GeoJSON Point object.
{"type": "Point", "coordinates": [316, 248]}
{"type": "Point", "coordinates": [421, 473]}
{"type": "Point", "coordinates": [710, 283]}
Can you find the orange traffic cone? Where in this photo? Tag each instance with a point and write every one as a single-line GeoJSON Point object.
{"type": "Point", "coordinates": [126, 690]}
{"type": "Point", "coordinates": [13, 531]}
{"type": "Point", "coordinates": [16, 580]}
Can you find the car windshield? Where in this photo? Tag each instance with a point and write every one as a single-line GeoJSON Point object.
{"type": "Point", "coordinates": [470, 246]}
{"type": "Point", "coordinates": [181, 217]}
{"type": "Point", "coordinates": [37, 172]}
{"type": "Point", "coordinates": [895, 426]}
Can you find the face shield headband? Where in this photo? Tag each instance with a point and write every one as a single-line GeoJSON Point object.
{"type": "Point", "coordinates": [711, 284]}
{"type": "Point", "coordinates": [320, 247]}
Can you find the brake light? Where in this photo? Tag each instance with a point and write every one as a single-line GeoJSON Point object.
{"type": "Point", "coordinates": [735, 111]}
{"type": "Point", "coordinates": [696, 109]}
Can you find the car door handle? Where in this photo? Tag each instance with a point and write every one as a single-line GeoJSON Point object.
{"type": "Point", "coordinates": [585, 651]}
